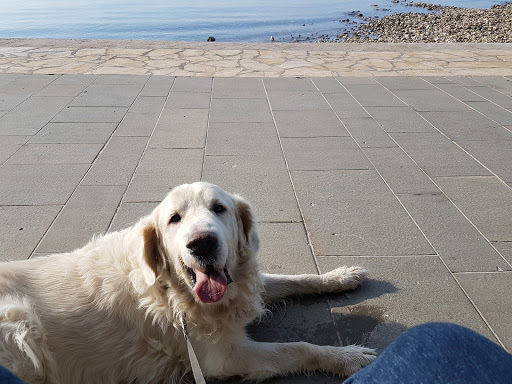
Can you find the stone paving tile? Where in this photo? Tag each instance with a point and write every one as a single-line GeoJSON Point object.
{"type": "Point", "coordinates": [26, 85]}
{"type": "Point", "coordinates": [499, 83]}
{"type": "Point", "coordinates": [90, 115]}
{"type": "Point", "coordinates": [130, 213]}
{"type": "Point", "coordinates": [505, 248]}
{"type": "Point", "coordinates": [39, 184]}
{"type": "Point", "coordinates": [284, 249]}
{"type": "Point", "coordinates": [240, 111]}
{"type": "Point", "coordinates": [74, 133]}
{"type": "Point", "coordinates": [309, 124]}
{"type": "Point", "coordinates": [180, 128]}
{"type": "Point", "coordinates": [250, 139]}
{"type": "Point", "coordinates": [496, 113]}
{"type": "Point", "coordinates": [6, 78]}
{"type": "Point", "coordinates": [263, 181]}
{"type": "Point", "coordinates": [367, 132]}
{"type": "Point", "coordinates": [117, 162]}
{"type": "Point", "coordinates": [148, 105]}
{"type": "Point", "coordinates": [401, 292]}
{"type": "Point", "coordinates": [197, 84]}
{"type": "Point", "coordinates": [345, 105]}
{"type": "Point", "coordinates": [69, 90]}
{"type": "Point", "coordinates": [354, 213]}
{"type": "Point", "coordinates": [437, 155]}
{"type": "Point", "coordinates": [399, 119]}
{"type": "Point", "coordinates": [403, 83]}
{"type": "Point", "coordinates": [503, 100]}
{"type": "Point", "coordinates": [188, 100]}
{"type": "Point", "coordinates": [22, 228]}
{"type": "Point", "coordinates": [56, 154]}
{"type": "Point", "coordinates": [157, 86]}
{"type": "Point", "coordinates": [430, 100]}
{"type": "Point", "coordinates": [438, 79]}
{"type": "Point", "coordinates": [331, 85]}
{"type": "Point", "coordinates": [486, 201]}
{"type": "Point", "coordinates": [454, 238]}
{"type": "Point", "coordinates": [8, 102]}
{"type": "Point", "coordinates": [467, 125]}
{"type": "Point", "coordinates": [112, 95]}
{"type": "Point", "coordinates": [160, 170]}
{"type": "Point", "coordinates": [9, 145]}
{"type": "Point", "coordinates": [114, 79]}
{"type": "Point", "coordinates": [324, 153]}
{"type": "Point", "coordinates": [399, 171]}
{"type": "Point", "coordinates": [491, 294]}
{"type": "Point", "coordinates": [373, 95]}
{"type": "Point", "coordinates": [75, 79]}
{"type": "Point", "coordinates": [495, 155]}
{"type": "Point", "coordinates": [88, 212]}
{"type": "Point", "coordinates": [297, 101]}
{"type": "Point", "coordinates": [284, 84]}
{"type": "Point", "coordinates": [137, 124]}
{"type": "Point", "coordinates": [238, 88]}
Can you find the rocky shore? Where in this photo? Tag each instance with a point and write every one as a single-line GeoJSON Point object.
{"type": "Point", "coordinates": [447, 25]}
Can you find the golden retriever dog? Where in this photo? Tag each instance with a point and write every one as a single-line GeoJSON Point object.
{"type": "Point", "coordinates": [111, 312]}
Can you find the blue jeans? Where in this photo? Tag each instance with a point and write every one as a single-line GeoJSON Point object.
{"type": "Point", "coordinates": [438, 353]}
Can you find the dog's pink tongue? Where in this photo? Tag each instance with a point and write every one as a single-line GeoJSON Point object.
{"type": "Point", "coordinates": [210, 287]}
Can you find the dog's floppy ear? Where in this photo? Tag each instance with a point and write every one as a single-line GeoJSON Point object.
{"type": "Point", "coordinates": [248, 234]}
{"type": "Point", "coordinates": [151, 255]}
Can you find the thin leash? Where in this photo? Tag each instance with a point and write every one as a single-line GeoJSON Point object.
{"type": "Point", "coordinates": [196, 369]}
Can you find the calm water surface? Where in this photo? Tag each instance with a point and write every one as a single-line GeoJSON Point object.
{"type": "Point", "coordinates": [226, 20]}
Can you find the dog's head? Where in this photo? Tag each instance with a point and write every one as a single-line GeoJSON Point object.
{"type": "Point", "coordinates": [200, 234]}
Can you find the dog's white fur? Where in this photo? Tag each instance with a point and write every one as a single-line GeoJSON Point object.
{"type": "Point", "coordinates": [109, 312]}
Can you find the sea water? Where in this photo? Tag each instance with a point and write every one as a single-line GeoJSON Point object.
{"type": "Point", "coordinates": [196, 20]}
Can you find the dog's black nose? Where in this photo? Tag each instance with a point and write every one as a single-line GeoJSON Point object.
{"type": "Point", "coordinates": [204, 247]}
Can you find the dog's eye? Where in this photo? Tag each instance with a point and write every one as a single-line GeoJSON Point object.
{"type": "Point", "coordinates": [219, 208]}
{"type": "Point", "coordinates": [175, 218]}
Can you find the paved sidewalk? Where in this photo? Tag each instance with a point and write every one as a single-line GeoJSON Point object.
{"type": "Point", "coordinates": [409, 176]}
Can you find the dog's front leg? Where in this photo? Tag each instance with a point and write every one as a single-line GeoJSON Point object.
{"type": "Point", "coordinates": [258, 361]}
{"type": "Point", "coordinates": [340, 279]}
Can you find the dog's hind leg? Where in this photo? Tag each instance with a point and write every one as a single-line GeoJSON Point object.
{"type": "Point", "coordinates": [341, 279]}
{"type": "Point", "coordinates": [259, 361]}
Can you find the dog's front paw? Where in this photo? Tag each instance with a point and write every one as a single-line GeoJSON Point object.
{"type": "Point", "coordinates": [344, 278]}
{"type": "Point", "coordinates": [356, 357]}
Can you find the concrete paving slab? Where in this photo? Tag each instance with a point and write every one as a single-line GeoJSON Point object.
{"type": "Point", "coordinates": [88, 212]}
{"type": "Point", "coordinates": [240, 111]}
{"type": "Point", "coordinates": [505, 249]}
{"type": "Point", "coordinates": [22, 228]}
{"type": "Point", "coordinates": [180, 128]}
{"type": "Point", "coordinates": [404, 83]}
{"type": "Point", "coordinates": [148, 105]}
{"type": "Point", "coordinates": [238, 88]}
{"type": "Point", "coordinates": [345, 105]}
{"type": "Point", "coordinates": [491, 294]}
{"type": "Point", "coordinates": [121, 79]}
{"type": "Point", "coordinates": [6, 78]}
{"type": "Point", "coordinates": [494, 96]}
{"type": "Point", "coordinates": [137, 124]}
{"type": "Point", "coordinates": [56, 154]}
{"type": "Point", "coordinates": [289, 84]}
{"type": "Point", "coordinates": [284, 249]}
{"type": "Point", "coordinates": [27, 85]}
{"type": "Point", "coordinates": [309, 124]}
{"type": "Point", "coordinates": [188, 100]}
{"type": "Point", "coordinates": [438, 79]}
{"type": "Point", "coordinates": [69, 90]}
{"type": "Point", "coordinates": [130, 213]}
{"type": "Point", "coordinates": [467, 125]}
{"type": "Point", "coordinates": [437, 155]}
{"type": "Point", "coordinates": [486, 201]}
{"type": "Point", "coordinates": [354, 213]}
{"type": "Point", "coordinates": [74, 79]}
{"type": "Point", "coordinates": [367, 132]}
{"type": "Point", "coordinates": [495, 155]}
{"type": "Point", "coordinates": [117, 162]}
{"type": "Point", "coordinates": [373, 95]}
{"type": "Point", "coordinates": [297, 101]}
{"type": "Point", "coordinates": [400, 172]}
{"type": "Point", "coordinates": [461, 93]}
{"type": "Point", "coordinates": [461, 246]}
{"type": "Point", "coordinates": [102, 95]}
{"type": "Point", "coordinates": [8, 102]}
{"type": "Point", "coordinates": [430, 100]}
{"type": "Point", "coordinates": [74, 133]}
{"type": "Point", "coordinates": [401, 292]}
{"type": "Point", "coordinates": [498, 114]}
{"type": "Point", "coordinates": [252, 139]}
{"type": "Point", "coordinates": [9, 145]}
{"type": "Point", "coordinates": [160, 170]}
{"type": "Point", "coordinates": [39, 184]}
{"type": "Point", "coordinates": [499, 83]}
{"type": "Point", "coordinates": [330, 85]}
{"type": "Point", "coordinates": [324, 153]}
{"type": "Point", "coordinates": [264, 181]}
{"type": "Point", "coordinates": [157, 86]}
{"type": "Point", "coordinates": [189, 84]}
{"type": "Point", "coordinates": [90, 115]}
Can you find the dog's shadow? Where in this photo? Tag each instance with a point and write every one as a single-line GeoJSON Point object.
{"type": "Point", "coordinates": [326, 320]}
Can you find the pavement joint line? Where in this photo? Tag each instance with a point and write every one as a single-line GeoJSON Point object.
{"type": "Point", "coordinates": [203, 162]}
{"type": "Point", "coordinates": [424, 234]}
